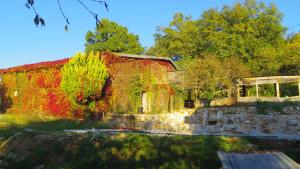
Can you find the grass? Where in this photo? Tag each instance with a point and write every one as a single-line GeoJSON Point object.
{"type": "Point", "coordinates": [13, 123]}
{"type": "Point", "coordinates": [57, 150]}
{"type": "Point", "coordinates": [119, 151]}
{"type": "Point", "coordinates": [128, 151]}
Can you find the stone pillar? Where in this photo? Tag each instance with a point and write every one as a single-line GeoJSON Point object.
{"type": "Point", "coordinates": [277, 90]}
{"type": "Point", "coordinates": [205, 118]}
{"type": "Point", "coordinates": [219, 118]}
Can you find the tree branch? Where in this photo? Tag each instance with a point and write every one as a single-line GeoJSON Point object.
{"type": "Point", "coordinates": [40, 21]}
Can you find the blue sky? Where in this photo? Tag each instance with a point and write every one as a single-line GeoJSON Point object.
{"type": "Point", "coordinates": [22, 43]}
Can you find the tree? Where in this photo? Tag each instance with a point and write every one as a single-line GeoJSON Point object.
{"type": "Point", "coordinates": [113, 38]}
{"type": "Point", "coordinates": [244, 30]}
{"type": "Point", "coordinates": [84, 77]}
{"type": "Point", "coordinates": [180, 38]}
{"type": "Point", "coordinates": [214, 78]}
{"type": "Point", "coordinates": [290, 60]}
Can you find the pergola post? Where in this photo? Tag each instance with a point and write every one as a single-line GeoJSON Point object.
{"type": "Point", "coordinates": [256, 90]}
{"type": "Point", "coordinates": [277, 90]}
{"type": "Point", "coordinates": [299, 86]}
{"type": "Point", "coordinates": [238, 90]}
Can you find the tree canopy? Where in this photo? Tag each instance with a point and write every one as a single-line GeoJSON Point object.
{"type": "Point", "coordinates": [112, 37]}
{"type": "Point", "coordinates": [180, 38]}
{"type": "Point", "coordinates": [251, 31]}
{"type": "Point", "coordinates": [290, 60]}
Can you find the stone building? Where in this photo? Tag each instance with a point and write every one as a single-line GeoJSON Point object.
{"type": "Point", "coordinates": [36, 87]}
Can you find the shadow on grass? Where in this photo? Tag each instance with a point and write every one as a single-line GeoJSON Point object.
{"type": "Point", "coordinates": [80, 151]}
{"type": "Point", "coordinates": [120, 151]}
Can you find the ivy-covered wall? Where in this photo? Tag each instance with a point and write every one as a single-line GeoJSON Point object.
{"type": "Point", "coordinates": [35, 92]}
{"type": "Point", "coordinates": [131, 78]}
{"type": "Point", "coordinates": [36, 88]}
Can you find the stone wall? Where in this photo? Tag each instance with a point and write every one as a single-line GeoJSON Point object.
{"type": "Point", "coordinates": [216, 121]}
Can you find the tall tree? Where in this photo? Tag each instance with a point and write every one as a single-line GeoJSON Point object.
{"type": "Point", "coordinates": [112, 37]}
{"type": "Point", "coordinates": [180, 38]}
{"type": "Point", "coordinates": [290, 60]}
{"type": "Point", "coordinates": [245, 30]}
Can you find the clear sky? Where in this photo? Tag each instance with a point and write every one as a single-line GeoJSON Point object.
{"type": "Point", "coordinates": [22, 43]}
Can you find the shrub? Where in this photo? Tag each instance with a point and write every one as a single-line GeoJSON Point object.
{"type": "Point", "coordinates": [83, 78]}
{"type": "Point", "coordinates": [213, 78]}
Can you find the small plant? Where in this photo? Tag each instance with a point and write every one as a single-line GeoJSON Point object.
{"type": "Point", "coordinates": [83, 79]}
{"type": "Point", "coordinates": [261, 107]}
{"type": "Point", "coordinates": [289, 103]}
{"type": "Point", "coordinates": [265, 107]}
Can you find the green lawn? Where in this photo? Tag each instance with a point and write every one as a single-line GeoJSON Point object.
{"type": "Point", "coordinates": [13, 123]}
{"type": "Point", "coordinates": [54, 149]}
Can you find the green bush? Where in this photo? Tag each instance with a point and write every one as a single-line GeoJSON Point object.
{"type": "Point", "coordinates": [83, 78]}
{"type": "Point", "coordinates": [264, 107]}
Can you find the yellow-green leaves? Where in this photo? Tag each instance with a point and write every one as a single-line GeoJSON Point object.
{"type": "Point", "coordinates": [83, 77]}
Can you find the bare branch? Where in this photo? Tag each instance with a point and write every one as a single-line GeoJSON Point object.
{"type": "Point", "coordinates": [91, 12]}
{"type": "Point", "coordinates": [63, 14]}
{"type": "Point", "coordinates": [38, 20]}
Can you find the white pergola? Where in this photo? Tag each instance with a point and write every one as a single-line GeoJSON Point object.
{"type": "Point", "coordinates": [257, 81]}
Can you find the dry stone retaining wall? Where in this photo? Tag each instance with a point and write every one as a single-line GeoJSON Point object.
{"type": "Point", "coordinates": [217, 121]}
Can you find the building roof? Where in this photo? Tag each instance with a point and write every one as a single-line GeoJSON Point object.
{"type": "Point", "coordinates": [267, 160]}
{"type": "Point", "coordinates": [35, 66]}
{"type": "Point", "coordinates": [61, 62]}
{"type": "Point", "coordinates": [147, 57]}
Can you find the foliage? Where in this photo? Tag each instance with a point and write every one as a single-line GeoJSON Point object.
{"type": "Point", "coordinates": [112, 37]}
{"type": "Point", "coordinates": [131, 150]}
{"type": "Point", "coordinates": [37, 88]}
{"type": "Point", "coordinates": [136, 77]}
{"type": "Point", "coordinates": [35, 91]}
{"type": "Point", "coordinates": [180, 38]}
{"type": "Point", "coordinates": [35, 66]}
{"type": "Point", "coordinates": [143, 81]}
{"type": "Point", "coordinates": [212, 78]}
{"type": "Point", "coordinates": [84, 77]}
{"type": "Point", "coordinates": [128, 151]}
{"type": "Point", "coordinates": [289, 89]}
{"type": "Point", "coordinates": [290, 61]}
{"type": "Point", "coordinates": [251, 31]}
{"type": "Point", "coordinates": [268, 90]}
{"type": "Point", "coordinates": [264, 107]}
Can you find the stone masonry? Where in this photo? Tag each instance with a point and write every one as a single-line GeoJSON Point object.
{"type": "Point", "coordinates": [242, 121]}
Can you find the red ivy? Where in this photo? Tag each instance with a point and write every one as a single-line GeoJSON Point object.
{"type": "Point", "coordinates": [35, 66]}
{"type": "Point", "coordinates": [56, 105]}
{"type": "Point", "coordinates": [40, 81]}
{"type": "Point", "coordinates": [49, 81]}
